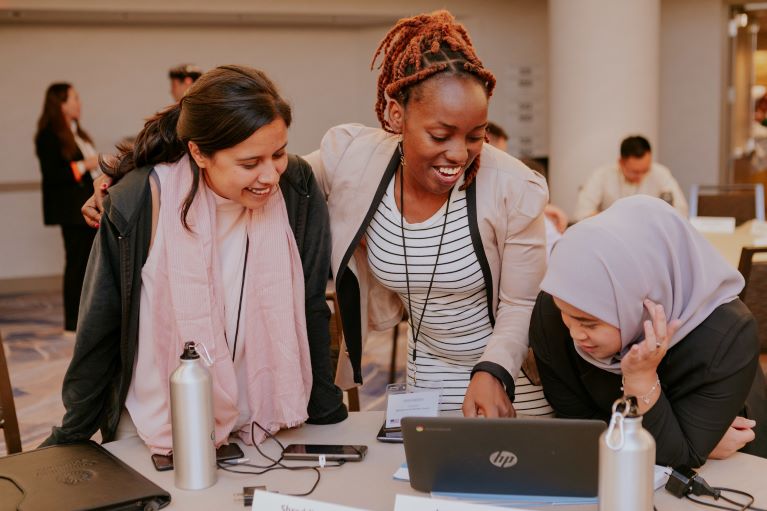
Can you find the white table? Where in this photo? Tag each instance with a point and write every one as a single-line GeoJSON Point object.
{"type": "Point", "coordinates": [730, 244]}
{"type": "Point", "coordinates": [369, 484]}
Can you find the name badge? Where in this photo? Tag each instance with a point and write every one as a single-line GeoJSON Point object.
{"type": "Point", "coordinates": [423, 403]}
{"type": "Point", "coordinates": [410, 503]}
{"type": "Point", "coordinates": [267, 501]}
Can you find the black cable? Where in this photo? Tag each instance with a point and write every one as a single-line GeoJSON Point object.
{"type": "Point", "coordinates": [276, 464]}
{"type": "Point", "coordinates": [741, 506]}
{"type": "Point", "coordinates": [744, 507]}
{"type": "Point", "coordinates": [745, 494]}
{"type": "Point", "coordinates": [717, 506]}
{"type": "Point", "coordinates": [17, 485]}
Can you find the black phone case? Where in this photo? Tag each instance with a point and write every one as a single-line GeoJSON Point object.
{"type": "Point", "coordinates": [225, 452]}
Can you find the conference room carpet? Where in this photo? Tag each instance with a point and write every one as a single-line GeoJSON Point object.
{"type": "Point", "coordinates": [38, 353]}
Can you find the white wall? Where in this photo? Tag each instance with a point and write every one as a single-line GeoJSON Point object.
{"type": "Point", "coordinates": [120, 71]}
{"type": "Point", "coordinates": [693, 56]}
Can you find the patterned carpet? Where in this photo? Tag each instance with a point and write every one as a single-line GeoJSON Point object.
{"type": "Point", "coordinates": [38, 353]}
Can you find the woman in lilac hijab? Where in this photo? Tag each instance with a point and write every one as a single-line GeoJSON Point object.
{"type": "Point", "coordinates": [635, 301]}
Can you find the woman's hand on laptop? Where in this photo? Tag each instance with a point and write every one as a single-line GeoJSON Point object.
{"type": "Point", "coordinates": [486, 397]}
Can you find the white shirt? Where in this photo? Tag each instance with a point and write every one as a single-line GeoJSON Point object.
{"type": "Point", "coordinates": [607, 184]}
{"type": "Point", "coordinates": [87, 150]}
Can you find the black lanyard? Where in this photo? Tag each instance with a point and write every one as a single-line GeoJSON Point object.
{"type": "Point", "coordinates": [239, 308]}
{"type": "Point", "coordinates": [404, 252]}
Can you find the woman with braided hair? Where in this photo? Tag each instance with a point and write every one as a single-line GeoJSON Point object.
{"type": "Point", "coordinates": [427, 217]}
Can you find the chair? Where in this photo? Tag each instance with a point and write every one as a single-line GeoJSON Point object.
{"type": "Point", "coordinates": [742, 201]}
{"type": "Point", "coordinates": [754, 294]}
{"type": "Point", "coordinates": [336, 334]}
{"type": "Point", "coordinates": [8, 420]}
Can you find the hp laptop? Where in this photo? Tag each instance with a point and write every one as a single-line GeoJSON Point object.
{"type": "Point", "coordinates": [543, 457]}
{"type": "Point", "coordinates": [75, 476]}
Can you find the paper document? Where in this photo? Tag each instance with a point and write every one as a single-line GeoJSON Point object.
{"type": "Point", "coordinates": [714, 224]}
{"type": "Point", "coordinates": [410, 503]}
{"type": "Point", "coordinates": [267, 501]}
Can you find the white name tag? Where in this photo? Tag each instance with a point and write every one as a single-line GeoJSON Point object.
{"type": "Point", "coordinates": [410, 503]}
{"type": "Point", "coordinates": [424, 403]}
{"type": "Point", "coordinates": [267, 501]}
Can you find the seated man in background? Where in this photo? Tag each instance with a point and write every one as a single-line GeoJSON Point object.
{"type": "Point", "coordinates": [634, 173]}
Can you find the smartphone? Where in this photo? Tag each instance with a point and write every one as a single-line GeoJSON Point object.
{"type": "Point", "coordinates": [331, 452]}
{"type": "Point", "coordinates": [223, 453]}
{"type": "Point", "coordinates": [389, 435]}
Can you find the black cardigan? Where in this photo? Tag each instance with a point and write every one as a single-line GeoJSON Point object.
{"type": "Point", "coordinates": [99, 375]}
{"type": "Point", "coordinates": [63, 195]}
{"type": "Point", "coordinates": [707, 379]}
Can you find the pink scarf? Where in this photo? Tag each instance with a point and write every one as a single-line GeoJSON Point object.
{"type": "Point", "coordinates": [189, 299]}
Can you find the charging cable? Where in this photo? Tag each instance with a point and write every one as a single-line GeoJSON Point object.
{"type": "Point", "coordinates": [18, 486]}
{"type": "Point", "coordinates": [684, 481]}
{"type": "Point", "coordinates": [276, 464]}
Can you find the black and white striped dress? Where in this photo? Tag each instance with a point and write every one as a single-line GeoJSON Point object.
{"type": "Point", "coordinates": [456, 327]}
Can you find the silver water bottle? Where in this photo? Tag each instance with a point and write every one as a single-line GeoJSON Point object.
{"type": "Point", "coordinates": [191, 410]}
{"type": "Point", "coordinates": [626, 461]}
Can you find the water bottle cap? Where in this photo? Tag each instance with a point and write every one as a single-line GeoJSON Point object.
{"type": "Point", "coordinates": [627, 406]}
{"type": "Point", "coordinates": [190, 351]}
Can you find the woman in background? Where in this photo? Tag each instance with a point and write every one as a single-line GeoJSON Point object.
{"type": "Point", "coordinates": [636, 301]}
{"type": "Point", "coordinates": [69, 163]}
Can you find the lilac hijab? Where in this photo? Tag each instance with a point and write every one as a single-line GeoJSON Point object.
{"type": "Point", "coordinates": [639, 248]}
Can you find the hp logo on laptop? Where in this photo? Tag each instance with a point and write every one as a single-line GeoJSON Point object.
{"type": "Point", "coordinates": [503, 459]}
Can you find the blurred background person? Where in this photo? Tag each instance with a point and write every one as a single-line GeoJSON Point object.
{"type": "Point", "coordinates": [69, 164]}
{"type": "Point", "coordinates": [634, 173]}
{"type": "Point", "coordinates": [556, 219]}
{"type": "Point", "coordinates": [181, 78]}
{"type": "Point", "coordinates": [497, 136]}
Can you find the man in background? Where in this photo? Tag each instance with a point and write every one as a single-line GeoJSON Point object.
{"type": "Point", "coordinates": [181, 78]}
{"type": "Point", "coordinates": [634, 173]}
{"type": "Point", "coordinates": [497, 136]}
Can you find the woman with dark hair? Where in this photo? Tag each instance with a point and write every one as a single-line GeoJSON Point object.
{"type": "Point", "coordinates": [215, 235]}
{"type": "Point", "coordinates": [69, 163]}
{"type": "Point", "coordinates": [635, 301]}
{"type": "Point", "coordinates": [428, 217]}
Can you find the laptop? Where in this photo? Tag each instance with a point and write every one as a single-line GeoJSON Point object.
{"type": "Point", "coordinates": [540, 457]}
{"type": "Point", "coordinates": [75, 476]}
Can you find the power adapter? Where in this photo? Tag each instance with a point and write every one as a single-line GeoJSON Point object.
{"type": "Point", "coordinates": [683, 481]}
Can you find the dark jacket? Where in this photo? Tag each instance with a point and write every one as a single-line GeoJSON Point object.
{"type": "Point", "coordinates": [707, 379]}
{"type": "Point", "coordinates": [63, 195]}
{"type": "Point", "coordinates": [99, 375]}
